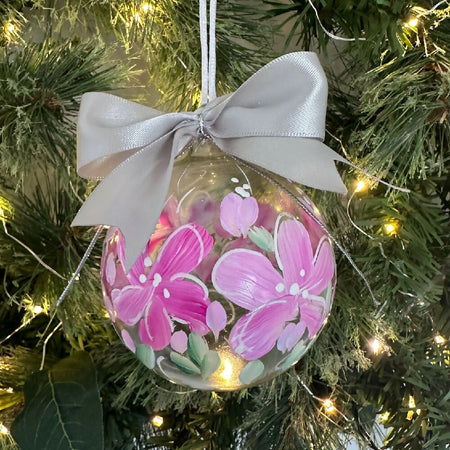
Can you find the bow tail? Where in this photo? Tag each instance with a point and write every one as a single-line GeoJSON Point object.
{"type": "Point", "coordinates": [132, 196]}
{"type": "Point", "coordinates": [304, 160]}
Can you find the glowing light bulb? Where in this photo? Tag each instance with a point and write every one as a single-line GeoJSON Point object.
{"type": "Point", "coordinates": [9, 27]}
{"type": "Point", "coordinates": [376, 346]}
{"type": "Point", "coordinates": [3, 429]}
{"type": "Point", "coordinates": [360, 185]}
{"type": "Point", "coordinates": [413, 22]}
{"type": "Point", "coordinates": [146, 7]}
{"type": "Point", "coordinates": [10, 390]}
{"type": "Point", "coordinates": [37, 309]}
{"type": "Point", "coordinates": [384, 417]}
{"type": "Point", "coordinates": [390, 228]}
{"type": "Point", "coordinates": [329, 406]}
{"type": "Point", "coordinates": [227, 372]}
{"type": "Point", "coordinates": [439, 339]}
{"type": "Point", "coordinates": [157, 421]}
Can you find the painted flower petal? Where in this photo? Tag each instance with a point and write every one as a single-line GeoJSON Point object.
{"type": "Point", "coordinates": [137, 274]}
{"type": "Point", "coordinates": [229, 211]}
{"type": "Point", "coordinates": [155, 328]}
{"type": "Point", "coordinates": [216, 318]}
{"type": "Point", "coordinates": [293, 251]}
{"type": "Point", "coordinates": [110, 269]}
{"type": "Point", "coordinates": [290, 336]}
{"type": "Point", "coordinates": [238, 214]}
{"type": "Point", "coordinates": [183, 250]}
{"type": "Point", "coordinates": [128, 341]}
{"type": "Point", "coordinates": [247, 278]}
{"type": "Point", "coordinates": [188, 301]}
{"type": "Point", "coordinates": [178, 341]}
{"type": "Point", "coordinates": [130, 303]}
{"type": "Point", "coordinates": [248, 213]}
{"type": "Point", "coordinates": [256, 333]}
{"type": "Point", "coordinates": [312, 315]}
{"type": "Point", "coordinates": [323, 269]}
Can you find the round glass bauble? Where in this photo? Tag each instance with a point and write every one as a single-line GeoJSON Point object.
{"type": "Point", "coordinates": [235, 283]}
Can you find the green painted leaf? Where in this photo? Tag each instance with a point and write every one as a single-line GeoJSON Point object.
{"type": "Point", "coordinates": [62, 408]}
{"type": "Point", "coordinates": [210, 363]}
{"type": "Point", "coordinates": [297, 352]}
{"type": "Point", "coordinates": [197, 348]}
{"type": "Point", "coordinates": [146, 355]}
{"type": "Point", "coordinates": [251, 371]}
{"type": "Point", "coordinates": [186, 365]}
{"type": "Point", "coordinates": [262, 238]}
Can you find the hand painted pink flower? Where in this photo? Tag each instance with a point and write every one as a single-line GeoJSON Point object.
{"type": "Point", "coordinates": [238, 214]}
{"type": "Point", "coordinates": [248, 279]}
{"type": "Point", "coordinates": [165, 291]}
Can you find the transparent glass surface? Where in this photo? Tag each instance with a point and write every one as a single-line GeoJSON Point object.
{"type": "Point", "coordinates": [235, 283]}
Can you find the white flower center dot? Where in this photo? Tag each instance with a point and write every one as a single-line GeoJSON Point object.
{"type": "Point", "coordinates": [142, 278]}
{"type": "Point", "coordinates": [156, 279]}
{"type": "Point", "coordinates": [147, 261]}
{"type": "Point", "coordinates": [166, 293]}
{"type": "Point", "coordinates": [294, 289]}
{"type": "Point", "coordinates": [305, 294]}
{"type": "Point", "coordinates": [302, 272]}
{"type": "Point", "coordinates": [279, 287]}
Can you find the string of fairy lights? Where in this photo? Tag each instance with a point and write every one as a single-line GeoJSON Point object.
{"type": "Point", "coordinates": [376, 345]}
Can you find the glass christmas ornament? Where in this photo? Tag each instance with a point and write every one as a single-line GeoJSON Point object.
{"type": "Point", "coordinates": [235, 283]}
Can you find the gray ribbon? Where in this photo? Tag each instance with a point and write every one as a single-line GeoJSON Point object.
{"type": "Point", "coordinates": [275, 120]}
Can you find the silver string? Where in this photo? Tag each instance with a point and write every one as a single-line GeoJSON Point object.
{"type": "Point", "coordinates": [208, 92]}
{"type": "Point", "coordinates": [80, 266]}
{"type": "Point", "coordinates": [204, 50]}
{"type": "Point", "coordinates": [212, 50]}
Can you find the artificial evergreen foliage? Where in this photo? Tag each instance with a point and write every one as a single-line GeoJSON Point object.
{"type": "Point", "coordinates": [388, 112]}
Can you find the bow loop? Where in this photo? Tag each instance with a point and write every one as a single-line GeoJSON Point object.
{"type": "Point", "coordinates": [276, 120]}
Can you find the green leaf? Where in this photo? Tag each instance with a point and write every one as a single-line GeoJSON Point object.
{"type": "Point", "coordinates": [251, 371]}
{"type": "Point", "coordinates": [186, 365]}
{"type": "Point", "coordinates": [262, 238]}
{"type": "Point", "coordinates": [197, 348]}
{"type": "Point", "coordinates": [62, 408]}
{"type": "Point", "coordinates": [210, 363]}
{"type": "Point", "coordinates": [297, 352]}
{"type": "Point", "coordinates": [146, 355]}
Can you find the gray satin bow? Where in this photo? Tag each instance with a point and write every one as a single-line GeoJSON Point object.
{"type": "Point", "coordinates": [275, 120]}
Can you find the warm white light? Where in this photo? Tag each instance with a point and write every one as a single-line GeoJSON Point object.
{"type": "Point", "coordinates": [439, 339]}
{"type": "Point", "coordinates": [3, 429]}
{"type": "Point", "coordinates": [376, 346]}
{"type": "Point", "coordinates": [9, 27]}
{"type": "Point", "coordinates": [37, 309]}
{"type": "Point", "coordinates": [360, 185]}
{"type": "Point", "coordinates": [390, 227]}
{"type": "Point", "coordinates": [413, 22]}
{"type": "Point", "coordinates": [329, 406]}
{"type": "Point", "coordinates": [10, 390]}
{"type": "Point", "coordinates": [227, 372]}
{"type": "Point", "coordinates": [384, 417]}
{"type": "Point", "coordinates": [146, 7]}
{"type": "Point", "coordinates": [157, 421]}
